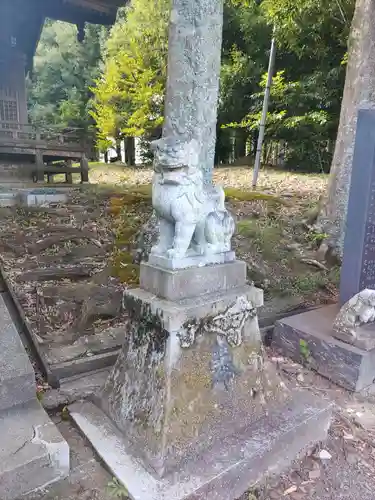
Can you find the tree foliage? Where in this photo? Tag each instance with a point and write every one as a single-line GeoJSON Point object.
{"type": "Point", "coordinates": [64, 71]}
{"type": "Point", "coordinates": [129, 95]}
{"type": "Point", "coordinates": [119, 83]}
{"type": "Point", "coordinates": [307, 89]}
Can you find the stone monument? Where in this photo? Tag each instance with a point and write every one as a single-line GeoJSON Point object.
{"type": "Point", "coordinates": [358, 266]}
{"type": "Point", "coordinates": [192, 408]}
{"type": "Point", "coordinates": [341, 342]}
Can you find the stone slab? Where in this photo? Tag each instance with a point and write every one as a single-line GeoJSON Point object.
{"type": "Point", "coordinates": [175, 314]}
{"type": "Point", "coordinates": [33, 199]}
{"type": "Point", "coordinates": [192, 282]}
{"type": "Point", "coordinates": [85, 364]}
{"type": "Point", "coordinates": [17, 378]}
{"type": "Point", "coordinates": [8, 199]}
{"type": "Point", "coordinates": [33, 454]}
{"type": "Point", "coordinates": [307, 338]}
{"type": "Point", "coordinates": [223, 472]}
{"type": "Point", "coordinates": [75, 388]}
{"type": "Point", "coordinates": [358, 267]}
{"type": "Point", "coordinates": [193, 261]}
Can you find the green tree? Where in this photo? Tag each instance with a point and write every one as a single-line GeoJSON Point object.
{"type": "Point", "coordinates": [129, 96]}
{"type": "Point", "coordinates": [64, 71]}
{"type": "Point", "coordinates": [306, 96]}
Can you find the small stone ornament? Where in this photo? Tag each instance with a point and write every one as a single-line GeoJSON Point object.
{"type": "Point", "coordinates": [354, 323]}
{"type": "Point", "coordinates": [193, 220]}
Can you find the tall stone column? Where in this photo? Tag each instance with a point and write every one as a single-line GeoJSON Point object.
{"type": "Point", "coordinates": [195, 39]}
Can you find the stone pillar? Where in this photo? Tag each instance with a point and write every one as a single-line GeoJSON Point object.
{"type": "Point", "coordinates": [195, 38]}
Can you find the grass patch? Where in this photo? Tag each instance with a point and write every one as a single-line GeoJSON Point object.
{"type": "Point", "coordinates": [308, 283]}
{"type": "Point", "coordinates": [241, 195]}
{"type": "Point", "coordinates": [264, 234]}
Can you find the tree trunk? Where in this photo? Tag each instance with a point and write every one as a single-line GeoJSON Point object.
{"type": "Point", "coordinates": [359, 92]}
{"type": "Point", "coordinates": [118, 150]}
{"type": "Point", "coordinates": [130, 151]}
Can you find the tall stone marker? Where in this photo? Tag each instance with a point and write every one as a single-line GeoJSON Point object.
{"type": "Point", "coordinates": [340, 339]}
{"type": "Point", "coordinates": [194, 54]}
{"type": "Point", "coordinates": [193, 410]}
{"type": "Point", "coordinates": [358, 267]}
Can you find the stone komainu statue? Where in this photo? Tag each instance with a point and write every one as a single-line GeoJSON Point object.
{"type": "Point", "coordinates": [193, 220]}
{"type": "Point", "coordinates": [358, 311]}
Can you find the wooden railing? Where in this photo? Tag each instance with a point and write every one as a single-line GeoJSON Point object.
{"type": "Point", "coordinates": [21, 134]}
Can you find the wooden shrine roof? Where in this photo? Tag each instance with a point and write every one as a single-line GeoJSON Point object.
{"type": "Point", "coordinates": [24, 19]}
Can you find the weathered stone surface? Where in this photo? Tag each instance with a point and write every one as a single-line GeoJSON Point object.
{"type": "Point", "coordinates": [307, 338]}
{"type": "Point", "coordinates": [194, 51]}
{"type": "Point", "coordinates": [43, 197]}
{"type": "Point", "coordinates": [17, 379]}
{"type": "Point", "coordinates": [358, 267]}
{"type": "Point", "coordinates": [176, 314]}
{"type": "Point", "coordinates": [191, 261]}
{"type": "Point", "coordinates": [192, 282]}
{"type": "Point", "coordinates": [32, 451]}
{"type": "Point", "coordinates": [228, 467]}
{"type": "Point", "coordinates": [146, 239]}
{"type": "Point", "coordinates": [358, 311]}
{"type": "Point", "coordinates": [8, 199]}
{"type": "Point", "coordinates": [188, 372]}
{"type": "Point", "coordinates": [193, 221]}
{"type": "Point", "coordinates": [75, 388]}
{"type": "Point", "coordinates": [193, 395]}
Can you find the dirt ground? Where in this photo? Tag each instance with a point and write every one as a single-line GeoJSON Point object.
{"type": "Point", "coordinates": [346, 471]}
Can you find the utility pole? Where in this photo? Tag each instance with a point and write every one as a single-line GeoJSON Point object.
{"type": "Point", "coordinates": [262, 126]}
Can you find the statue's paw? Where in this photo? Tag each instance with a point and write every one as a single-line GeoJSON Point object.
{"type": "Point", "coordinates": [173, 253]}
{"type": "Point", "coordinates": [157, 249]}
{"type": "Point", "coordinates": [200, 249]}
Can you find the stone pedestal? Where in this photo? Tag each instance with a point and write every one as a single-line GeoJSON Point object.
{"type": "Point", "coordinates": [308, 339]}
{"type": "Point", "coordinates": [193, 409]}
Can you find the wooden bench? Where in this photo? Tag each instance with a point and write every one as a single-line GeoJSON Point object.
{"type": "Point", "coordinates": [63, 167]}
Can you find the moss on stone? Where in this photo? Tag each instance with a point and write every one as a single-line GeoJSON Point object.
{"type": "Point", "coordinates": [241, 195]}
{"type": "Point", "coordinates": [122, 267]}
{"type": "Point", "coordinates": [130, 210]}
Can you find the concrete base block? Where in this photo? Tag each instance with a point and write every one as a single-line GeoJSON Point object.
{"type": "Point", "coordinates": [17, 378]}
{"type": "Point", "coordinates": [225, 470]}
{"type": "Point", "coordinates": [191, 261]}
{"type": "Point", "coordinates": [192, 282]}
{"type": "Point", "coordinates": [307, 338]}
{"type": "Point", "coordinates": [33, 453]}
{"type": "Point", "coordinates": [43, 197]}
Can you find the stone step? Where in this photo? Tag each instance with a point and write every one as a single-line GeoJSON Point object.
{"type": "Point", "coordinates": [17, 379]}
{"type": "Point", "coordinates": [33, 453]}
{"type": "Point", "coordinates": [230, 465]}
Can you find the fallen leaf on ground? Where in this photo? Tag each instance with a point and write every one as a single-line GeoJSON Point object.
{"type": "Point", "coordinates": [292, 489]}
{"type": "Point", "coordinates": [324, 455]}
{"type": "Point", "coordinates": [314, 474]}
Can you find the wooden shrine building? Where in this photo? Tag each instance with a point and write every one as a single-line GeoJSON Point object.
{"type": "Point", "coordinates": [25, 152]}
